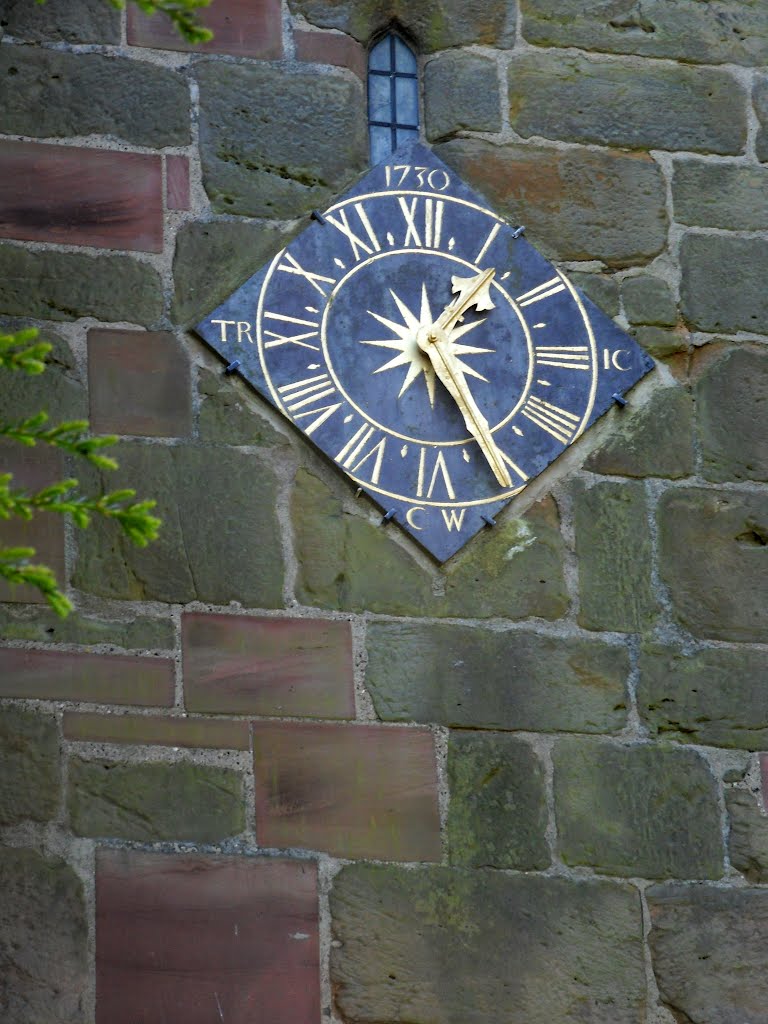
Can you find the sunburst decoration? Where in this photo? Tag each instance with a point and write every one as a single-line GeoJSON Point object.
{"type": "Point", "coordinates": [408, 352]}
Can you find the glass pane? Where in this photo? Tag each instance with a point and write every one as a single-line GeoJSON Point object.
{"type": "Point", "coordinates": [407, 99]}
{"type": "Point", "coordinates": [406, 135]}
{"type": "Point", "coordinates": [381, 144]}
{"type": "Point", "coordinates": [379, 98]}
{"type": "Point", "coordinates": [404, 58]}
{"type": "Point", "coordinates": [379, 57]}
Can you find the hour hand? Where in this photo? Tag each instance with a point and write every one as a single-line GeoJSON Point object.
{"type": "Point", "coordinates": [435, 342]}
{"type": "Point", "coordinates": [471, 291]}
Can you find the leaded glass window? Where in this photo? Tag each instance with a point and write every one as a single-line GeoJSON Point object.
{"type": "Point", "coordinates": [393, 96]}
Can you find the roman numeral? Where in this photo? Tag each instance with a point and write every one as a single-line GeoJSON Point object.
{"type": "Point", "coordinates": [302, 393]}
{"type": "Point", "coordinates": [542, 291]}
{"type": "Point", "coordinates": [488, 242]}
{"type": "Point", "coordinates": [423, 218]}
{"type": "Point", "coordinates": [513, 466]}
{"type": "Point", "coordinates": [569, 357]}
{"type": "Point", "coordinates": [358, 451]}
{"type": "Point", "coordinates": [276, 338]}
{"type": "Point", "coordinates": [439, 472]}
{"type": "Point", "coordinates": [290, 265]}
{"type": "Point", "coordinates": [341, 222]}
{"type": "Point", "coordinates": [558, 422]}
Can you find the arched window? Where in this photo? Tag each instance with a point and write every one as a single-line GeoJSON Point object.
{"type": "Point", "coordinates": [393, 96]}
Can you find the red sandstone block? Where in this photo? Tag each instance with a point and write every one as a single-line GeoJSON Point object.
{"type": "Point", "coordinates": [100, 678]}
{"type": "Point", "coordinates": [331, 48]}
{"type": "Point", "coordinates": [235, 664]}
{"type": "Point", "coordinates": [199, 940]}
{"type": "Point", "coordinates": [350, 790]}
{"type": "Point", "coordinates": [81, 196]}
{"type": "Point", "coordinates": [177, 182]}
{"type": "Point", "coordinates": [139, 383]}
{"type": "Point", "coordinates": [163, 731]}
{"type": "Point", "coordinates": [243, 28]}
{"type": "Point", "coordinates": [32, 469]}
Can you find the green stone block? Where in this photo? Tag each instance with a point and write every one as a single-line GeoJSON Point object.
{"type": "Point", "coordinates": [555, 193]}
{"type": "Point", "coordinates": [718, 195]}
{"type": "Point", "coordinates": [67, 21]}
{"type": "Point", "coordinates": [748, 835]}
{"type": "Point", "coordinates": [228, 414]}
{"type": "Point", "coordinates": [255, 161]}
{"type": "Point", "coordinates": [712, 697]}
{"type": "Point", "coordinates": [498, 810]}
{"type": "Point", "coordinates": [468, 677]}
{"type": "Point", "coordinates": [601, 288]}
{"type": "Point", "coordinates": [613, 548]}
{"type": "Point", "coordinates": [150, 802]}
{"type": "Point", "coordinates": [714, 300]}
{"type": "Point", "coordinates": [654, 440]}
{"type": "Point", "coordinates": [708, 951]}
{"type": "Point", "coordinates": [56, 94]}
{"type": "Point", "coordinates": [59, 391]}
{"type": "Point", "coordinates": [461, 92]}
{"type": "Point", "coordinates": [220, 539]}
{"type": "Point", "coordinates": [446, 946]}
{"type": "Point", "coordinates": [617, 103]}
{"type": "Point", "coordinates": [636, 810]}
{"type": "Point", "coordinates": [335, 552]}
{"type": "Point", "coordinates": [731, 399]}
{"type": "Point", "coordinates": [721, 593]}
{"type": "Point", "coordinates": [661, 343]}
{"type": "Point", "coordinates": [42, 624]}
{"type": "Point", "coordinates": [44, 962]}
{"type": "Point", "coordinates": [53, 285]}
{"type": "Point", "coordinates": [213, 258]}
{"type": "Point", "coordinates": [30, 784]}
{"type": "Point", "coordinates": [649, 300]}
{"type": "Point", "coordinates": [512, 571]}
{"type": "Point", "coordinates": [730, 31]}
{"type": "Point", "coordinates": [760, 103]}
{"type": "Point", "coordinates": [432, 24]}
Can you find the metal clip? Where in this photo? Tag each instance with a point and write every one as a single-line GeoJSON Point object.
{"type": "Point", "coordinates": [519, 231]}
{"type": "Point", "coordinates": [488, 520]}
{"type": "Point", "coordinates": [388, 515]}
{"type": "Point", "coordinates": [233, 367]}
{"type": "Point", "coordinates": [619, 400]}
{"type": "Point", "coordinates": [316, 215]}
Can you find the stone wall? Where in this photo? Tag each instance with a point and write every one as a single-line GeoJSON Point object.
{"type": "Point", "coordinates": [279, 766]}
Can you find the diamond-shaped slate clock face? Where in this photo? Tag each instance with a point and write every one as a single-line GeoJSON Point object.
{"type": "Point", "coordinates": [420, 342]}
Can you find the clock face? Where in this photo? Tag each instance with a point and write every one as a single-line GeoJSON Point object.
{"type": "Point", "coordinates": [423, 344]}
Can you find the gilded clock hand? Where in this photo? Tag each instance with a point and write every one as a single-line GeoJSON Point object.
{"type": "Point", "coordinates": [472, 291]}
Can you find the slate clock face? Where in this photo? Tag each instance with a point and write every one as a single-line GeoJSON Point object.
{"type": "Point", "coordinates": [420, 342]}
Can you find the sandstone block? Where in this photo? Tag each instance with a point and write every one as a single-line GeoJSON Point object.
{"type": "Point", "coordinates": [556, 193]}
{"type": "Point", "coordinates": [449, 946]}
{"type": "Point", "coordinates": [254, 161]}
{"type": "Point", "coordinates": [498, 808]}
{"type": "Point", "coordinates": [575, 99]}
{"type": "Point", "coordinates": [461, 92]}
{"type": "Point", "coordinates": [149, 802]}
{"type": "Point", "coordinates": [637, 810]}
{"type": "Point", "coordinates": [467, 677]}
{"type": "Point", "coordinates": [720, 594]}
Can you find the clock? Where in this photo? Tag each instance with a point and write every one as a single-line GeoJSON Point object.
{"type": "Point", "coordinates": [424, 346]}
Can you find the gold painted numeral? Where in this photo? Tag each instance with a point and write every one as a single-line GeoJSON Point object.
{"type": "Point", "coordinates": [423, 220]}
{"type": "Point", "coordinates": [542, 291]}
{"type": "Point", "coordinates": [307, 392]}
{"type": "Point", "coordinates": [487, 243]}
{"type": "Point", "coordinates": [359, 450]}
{"type": "Point", "coordinates": [276, 338]}
{"type": "Point", "coordinates": [340, 221]}
{"type": "Point", "coordinates": [439, 472]}
{"type": "Point", "coordinates": [569, 357]}
{"type": "Point", "coordinates": [558, 422]}
{"type": "Point", "coordinates": [291, 265]}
